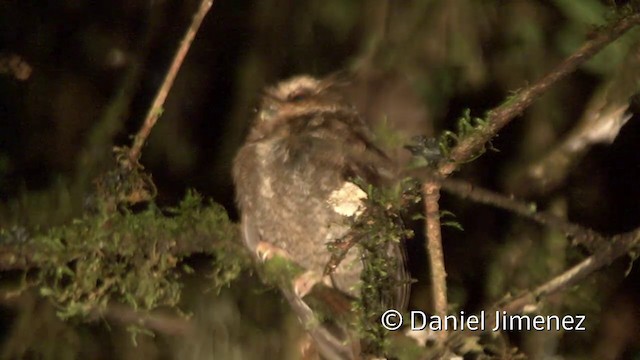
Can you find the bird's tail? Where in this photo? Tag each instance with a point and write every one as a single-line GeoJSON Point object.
{"type": "Point", "coordinates": [333, 340]}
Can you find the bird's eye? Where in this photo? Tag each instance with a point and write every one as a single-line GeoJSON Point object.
{"type": "Point", "coordinates": [299, 95]}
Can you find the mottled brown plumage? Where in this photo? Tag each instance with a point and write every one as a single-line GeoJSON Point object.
{"type": "Point", "coordinates": [293, 184]}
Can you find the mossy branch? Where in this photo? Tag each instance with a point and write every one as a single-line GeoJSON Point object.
{"type": "Point", "coordinates": [474, 135]}
{"type": "Point", "coordinates": [470, 146]}
{"type": "Point", "coordinates": [129, 258]}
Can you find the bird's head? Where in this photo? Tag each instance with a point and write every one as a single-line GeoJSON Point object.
{"type": "Point", "coordinates": [293, 98]}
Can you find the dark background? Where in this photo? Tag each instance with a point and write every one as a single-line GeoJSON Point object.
{"type": "Point", "coordinates": [415, 67]}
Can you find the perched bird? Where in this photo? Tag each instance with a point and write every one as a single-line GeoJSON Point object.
{"type": "Point", "coordinates": [294, 179]}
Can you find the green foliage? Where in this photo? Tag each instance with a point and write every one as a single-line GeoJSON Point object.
{"type": "Point", "coordinates": [135, 330]}
{"type": "Point", "coordinates": [379, 228]}
{"type": "Point", "coordinates": [129, 258]}
{"type": "Point", "coordinates": [407, 348]}
{"type": "Point", "coordinates": [280, 271]}
{"type": "Point", "coordinates": [429, 152]}
{"type": "Point", "coordinates": [375, 233]}
{"type": "Point", "coordinates": [450, 223]}
{"type": "Point", "coordinates": [466, 126]}
{"type": "Point", "coordinates": [586, 11]}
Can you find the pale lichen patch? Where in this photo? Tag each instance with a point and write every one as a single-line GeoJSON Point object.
{"type": "Point", "coordinates": [348, 200]}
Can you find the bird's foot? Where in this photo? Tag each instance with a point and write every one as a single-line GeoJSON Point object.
{"type": "Point", "coordinates": [303, 284]}
{"type": "Point", "coordinates": [266, 251]}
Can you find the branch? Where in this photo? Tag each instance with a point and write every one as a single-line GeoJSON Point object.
{"type": "Point", "coordinates": [431, 190]}
{"type": "Point", "coordinates": [133, 259]}
{"type": "Point", "coordinates": [156, 108]}
{"type": "Point", "coordinates": [470, 146]}
{"type": "Point", "coordinates": [618, 246]}
{"type": "Point", "coordinates": [159, 321]}
{"type": "Point", "coordinates": [579, 234]}
{"type": "Point", "coordinates": [70, 243]}
{"type": "Point", "coordinates": [601, 121]}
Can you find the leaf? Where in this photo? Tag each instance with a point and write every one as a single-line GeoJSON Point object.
{"type": "Point", "coordinates": [453, 224]}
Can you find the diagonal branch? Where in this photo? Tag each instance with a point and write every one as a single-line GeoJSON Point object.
{"type": "Point", "coordinates": [469, 147]}
{"type": "Point", "coordinates": [497, 118]}
{"type": "Point", "coordinates": [601, 121]}
{"type": "Point", "coordinates": [156, 108]}
{"type": "Point", "coordinates": [618, 246]}
{"type": "Point", "coordinates": [579, 234]}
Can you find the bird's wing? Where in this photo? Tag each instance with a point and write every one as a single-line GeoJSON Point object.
{"type": "Point", "coordinates": [332, 341]}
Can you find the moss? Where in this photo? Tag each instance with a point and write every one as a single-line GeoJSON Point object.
{"type": "Point", "coordinates": [467, 126]}
{"type": "Point", "coordinates": [280, 271]}
{"type": "Point", "coordinates": [130, 258]}
{"type": "Point", "coordinates": [405, 348]}
{"type": "Point", "coordinates": [380, 226]}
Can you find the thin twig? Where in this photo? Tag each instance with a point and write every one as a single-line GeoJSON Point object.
{"type": "Point", "coordinates": [431, 190]}
{"type": "Point", "coordinates": [603, 117]}
{"type": "Point", "coordinates": [618, 246]}
{"type": "Point", "coordinates": [470, 146]}
{"type": "Point", "coordinates": [579, 234]}
{"type": "Point", "coordinates": [156, 108]}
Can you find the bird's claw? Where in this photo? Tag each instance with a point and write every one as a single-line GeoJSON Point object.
{"type": "Point", "coordinates": [266, 251]}
{"type": "Point", "coordinates": [303, 284]}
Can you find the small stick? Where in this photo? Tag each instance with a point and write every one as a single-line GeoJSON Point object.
{"type": "Point", "coordinates": [156, 108]}
{"type": "Point", "coordinates": [618, 246]}
{"type": "Point", "coordinates": [579, 234]}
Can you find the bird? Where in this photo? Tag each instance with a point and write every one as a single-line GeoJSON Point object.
{"type": "Point", "coordinates": [296, 187]}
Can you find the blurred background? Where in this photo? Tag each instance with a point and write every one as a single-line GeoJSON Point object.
{"type": "Point", "coordinates": [88, 72]}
